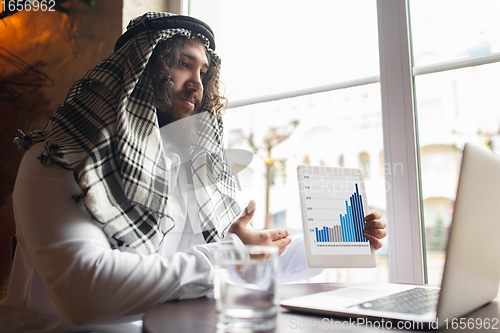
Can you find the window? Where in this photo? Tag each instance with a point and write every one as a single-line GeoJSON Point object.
{"type": "Point", "coordinates": [277, 47]}
{"type": "Point", "coordinates": [453, 105]}
{"type": "Point", "coordinates": [435, 97]}
{"type": "Point", "coordinates": [303, 93]}
{"type": "Point", "coordinates": [432, 66]}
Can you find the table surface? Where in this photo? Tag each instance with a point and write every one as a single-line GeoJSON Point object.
{"type": "Point", "coordinates": [198, 315]}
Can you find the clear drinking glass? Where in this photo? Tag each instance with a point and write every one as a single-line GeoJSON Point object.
{"type": "Point", "coordinates": [246, 287]}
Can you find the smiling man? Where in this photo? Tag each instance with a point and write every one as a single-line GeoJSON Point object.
{"type": "Point", "coordinates": [179, 86]}
{"type": "Point", "coordinates": [113, 216]}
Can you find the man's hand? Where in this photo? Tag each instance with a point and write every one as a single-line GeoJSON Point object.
{"type": "Point", "coordinates": [374, 229]}
{"type": "Point", "coordinates": [272, 237]}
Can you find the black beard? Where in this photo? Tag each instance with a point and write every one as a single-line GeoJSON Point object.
{"type": "Point", "coordinates": [164, 116]}
{"type": "Point", "coordinates": [166, 109]}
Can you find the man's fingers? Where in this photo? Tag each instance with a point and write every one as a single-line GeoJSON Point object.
{"type": "Point", "coordinates": [378, 233]}
{"type": "Point", "coordinates": [240, 223]}
{"type": "Point", "coordinates": [375, 215]}
{"type": "Point", "coordinates": [282, 244]}
{"type": "Point", "coordinates": [375, 224]}
{"type": "Point", "coordinates": [374, 229]}
{"type": "Point", "coordinates": [276, 234]}
{"type": "Point", "coordinates": [246, 216]}
{"type": "Point", "coordinates": [376, 243]}
{"type": "Point", "coordinates": [250, 208]}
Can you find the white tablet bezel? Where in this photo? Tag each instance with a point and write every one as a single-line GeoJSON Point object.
{"type": "Point", "coordinates": [332, 260]}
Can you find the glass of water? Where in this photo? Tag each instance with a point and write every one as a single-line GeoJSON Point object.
{"type": "Point", "coordinates": [246, 287]}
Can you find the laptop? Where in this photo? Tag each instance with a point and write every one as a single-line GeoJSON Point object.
{"type": "Point", "coordinates": [472, 269]}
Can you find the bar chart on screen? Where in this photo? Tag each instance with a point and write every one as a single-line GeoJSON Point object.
{"type": "Point", "coordinates": [335, 214]}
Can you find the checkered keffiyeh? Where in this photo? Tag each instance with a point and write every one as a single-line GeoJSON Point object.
{"type": "Point", "coordinates": [107, 133]}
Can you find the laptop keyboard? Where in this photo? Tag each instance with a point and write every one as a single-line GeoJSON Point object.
{"type": "Point", "coordinates": [416, 301]}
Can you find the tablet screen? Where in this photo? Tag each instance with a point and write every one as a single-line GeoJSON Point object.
{"type": "Point", "coordinates": [333, 204]}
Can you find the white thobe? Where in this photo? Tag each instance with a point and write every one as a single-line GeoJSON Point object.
{"type": "Point", "coordinates": [67, 278]}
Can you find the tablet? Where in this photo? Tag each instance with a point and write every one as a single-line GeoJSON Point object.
{"type": "Point", "coordinates": [333, 204]}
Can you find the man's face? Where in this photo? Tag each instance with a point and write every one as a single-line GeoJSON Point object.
{"type": "Point", "coordinates": [187, 86]}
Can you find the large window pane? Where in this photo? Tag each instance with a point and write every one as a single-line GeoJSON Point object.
{"type": "Point", "coordinates": [447, 30]}
{"type": "Point", "coordinates": [270, 47]}
{"type": "Point", "coordinates": [453, 107]}
{"type": "Point", "coordinates": [275, 46]}
{"type": "Point", "coordinates": [337, 128]}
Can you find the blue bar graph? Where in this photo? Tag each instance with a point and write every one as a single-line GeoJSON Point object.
{"type": "Point", "coordinates": [351, 223]}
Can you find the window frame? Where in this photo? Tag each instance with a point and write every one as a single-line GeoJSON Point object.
{"type": "Point", "coordinates": [404, 207]}
{"type": "Point", "coordinates": [407, 257]}
{"type": "Point", "coordinates": [404, 211]}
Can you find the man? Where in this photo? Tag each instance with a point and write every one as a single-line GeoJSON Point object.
{"type": "Point", "coordinates": [121, 199]}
